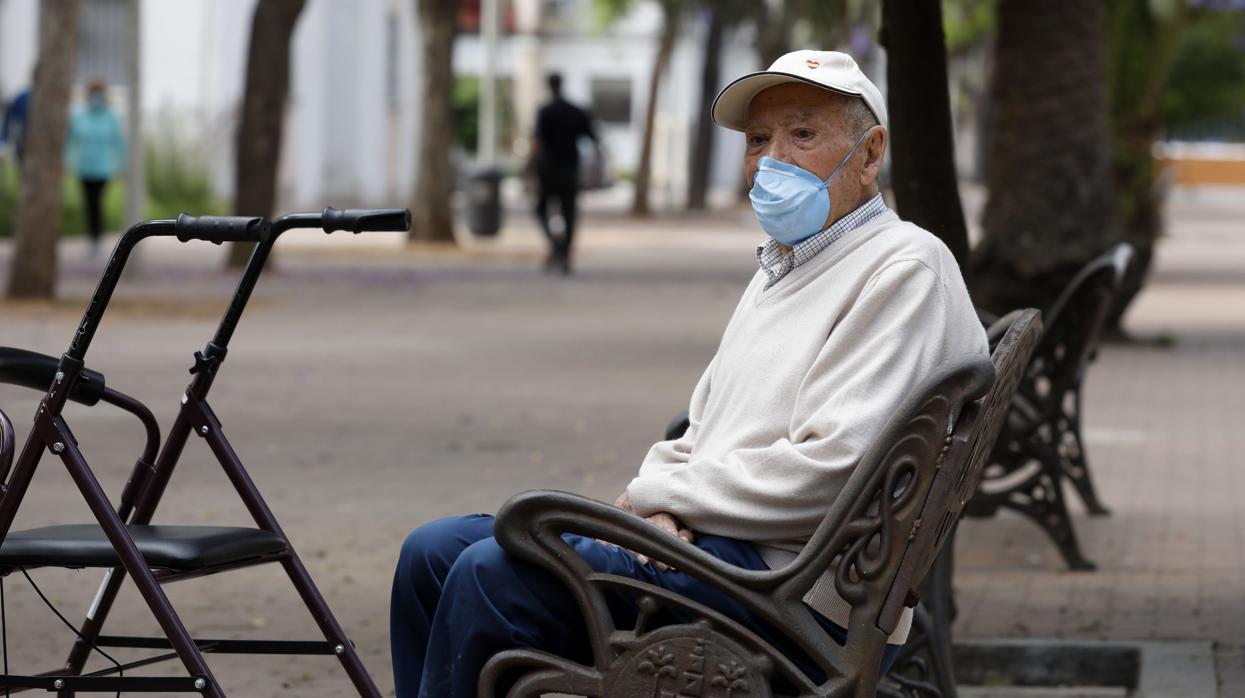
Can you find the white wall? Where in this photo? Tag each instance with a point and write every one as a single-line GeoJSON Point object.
{"type": "Point", "coordinates": [346, 141]}
{"type": "Point", "coordinates": [193, 63]}
{"type": "Point", "coordinates": [626, 49]}
{"type": "Point", "coordinates": [19, 39]}
{"type": "Point", "coordinates": [343, 142]}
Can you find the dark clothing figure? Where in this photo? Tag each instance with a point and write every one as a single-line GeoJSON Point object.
{"type": "Point", "coordinates": [563, 186]}
{"type": "Point", "coordinates": [559, 126]}
{"type": "Point", "coordinates": [93, 197]}
{"type": "Point", "coordinates": [15, 119]}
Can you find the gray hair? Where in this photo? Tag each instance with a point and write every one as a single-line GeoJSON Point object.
{"type": "Point", "coordinates": [857, 116]}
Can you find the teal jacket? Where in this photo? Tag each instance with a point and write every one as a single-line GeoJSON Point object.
{"type": "Point", "coordinates": [96, 147]}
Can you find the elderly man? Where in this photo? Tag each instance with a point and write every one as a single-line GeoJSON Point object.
{"type": "Point", "coordinates": [850, 309]}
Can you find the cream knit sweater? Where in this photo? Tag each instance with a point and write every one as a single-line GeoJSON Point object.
{"type": "Point", "coordinates": [806, 376]}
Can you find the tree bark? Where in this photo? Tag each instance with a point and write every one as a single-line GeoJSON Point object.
{"type": "Point", "coordinates": [432, 218]}
{"type": "Point", "coordinates": [923, 172]}
{"type": "Point", "coordinates": [263, 113]}
{"type": "Point", "coordinates": [774, 26]}
{"type": "Point", "coordinates": [1051, 204]}
{"type": "Point", "coordinates": [665, 45]}
{"type": "Point", "coordinates": [37, 225]}
{"type": "Point", "coordinates": [702, 146]}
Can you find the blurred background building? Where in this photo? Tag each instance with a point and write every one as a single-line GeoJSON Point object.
{"type": "Point", "coordinates": [353, 111]}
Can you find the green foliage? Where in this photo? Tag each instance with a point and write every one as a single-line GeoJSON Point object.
{"type": "Point", "coordinates": [8, 197]}
{"type": "Point", "coordinates": [175, 183]}
{"type": "Point", "coordinates": [1207, 92]}
{"type": "Point", "coordinates": [467, 112]}
{"type": "Point", "coordinates": [609, 11]}
{"type": "Point", "coordinates": [1143, 39]}
{"type": "Point", "coordinates": [73, 210]}
{"type": "Point", "coordinates": [73, 206]}
{"type": "Point", "coordinates": [606, 12]}
{"type": "Point", "coordinates": [967, 23]}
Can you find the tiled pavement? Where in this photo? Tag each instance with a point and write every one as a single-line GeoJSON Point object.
{"type": "Point", "coordinates": [1164, 426]}
{"type": "Point", "coordinates": [374, 388]}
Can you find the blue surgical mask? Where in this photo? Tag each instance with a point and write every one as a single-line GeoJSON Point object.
{"type": "Point", "coordinates": [791, 203]}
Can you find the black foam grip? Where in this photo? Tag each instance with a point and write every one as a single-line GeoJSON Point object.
{"type": "Point", "coordinates": [37, 371]}
{"type": "Point", "coordinates": [218, 229]}
{"type": "Point", "coordinates": [358, 220]}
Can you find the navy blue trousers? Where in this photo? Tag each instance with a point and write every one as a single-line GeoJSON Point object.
{"type": "Point", "coordinates": [458, 599]}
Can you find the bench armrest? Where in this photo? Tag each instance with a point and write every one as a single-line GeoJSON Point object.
{"type": "Point", "coordinates": [548, 513]}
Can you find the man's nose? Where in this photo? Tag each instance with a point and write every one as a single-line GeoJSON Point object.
{"type": "Point", "coordinates": [779, 149]}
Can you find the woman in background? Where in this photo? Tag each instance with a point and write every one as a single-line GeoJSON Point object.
{"type": "Point", "coordinates": [96, 150]}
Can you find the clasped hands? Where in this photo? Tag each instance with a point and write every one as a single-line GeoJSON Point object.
{"type": "Point", "coordinates": [662, 520]}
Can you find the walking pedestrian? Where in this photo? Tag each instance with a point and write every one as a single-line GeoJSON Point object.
{"type": "Point", "coordinates": [555, 156]}
{"type": "Point", "coordinates": [96, 149]}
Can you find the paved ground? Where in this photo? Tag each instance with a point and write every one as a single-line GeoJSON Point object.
{"type": "Point", "coordinates": [373, 388]}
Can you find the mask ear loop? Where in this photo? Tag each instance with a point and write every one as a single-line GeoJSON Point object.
{"type": "Point", "coordinates": [847, 157]}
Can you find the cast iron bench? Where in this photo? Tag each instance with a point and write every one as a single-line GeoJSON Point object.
{"type": "Point", "coordinates": [1041, 444]}
{"type": "Point", "coordinates": [882, 534]}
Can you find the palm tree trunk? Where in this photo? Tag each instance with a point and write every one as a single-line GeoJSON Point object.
{"type": "Point", "coordinates": [665, 45]}
{"type": "Point", "coordinates": [37, 226]}
{"type": "Point", "coordinates": [923, 172]}
{"type": "Point", "coordinates": [1051, 206]}
{"type": "Point", "coordinates": [431, 216]}
{"type": "Point", "coordinates": [263, 112]}
{"type": "Point", "coordinates": [702, 146]}
{"type": "Point", "coordinates": [774, 26]}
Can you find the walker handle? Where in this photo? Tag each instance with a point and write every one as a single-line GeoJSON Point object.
{"type": "Point", "coordinates": [218, 229]}
{"type": "Point", "coordinates": [358, 220]}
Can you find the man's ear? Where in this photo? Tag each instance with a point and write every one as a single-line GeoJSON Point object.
{"type": "Point", "coordinates": [874, 149]}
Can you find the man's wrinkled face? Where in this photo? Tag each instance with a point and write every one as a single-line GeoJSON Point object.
{"type": "Point", "coordinates": [805, 126]}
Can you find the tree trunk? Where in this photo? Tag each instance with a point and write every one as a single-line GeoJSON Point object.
{"type": "Point", "coordinates": [702, 146]}
{"type": "Point", "coordinates": [263, 113]}
{"type": "Point", "coordinates": [665, 45]}
{"type": "Point", "coordinates": [774, 24]}
{"type": "Point", "coordinates": [37, 227]}
{"type": "Point", "coordinates": [774, 27]}
{"type": "Point", "coordinates": [1143, 45]}
{"type": "Point", "coordinates": [432, 219]}
{"type": "Point", "coordinates": [923, 172]}
{"type": "Point", "coordinates": [1051, 206]}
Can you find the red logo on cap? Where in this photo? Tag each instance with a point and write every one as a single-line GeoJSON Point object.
{"type": "Point", "coordinates": [812, 63]}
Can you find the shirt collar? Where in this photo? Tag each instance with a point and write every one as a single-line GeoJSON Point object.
{"type": "Point", "coordinates": [776, 263]}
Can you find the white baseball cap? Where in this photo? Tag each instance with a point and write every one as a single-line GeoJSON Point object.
{"type": "Point", "coordinates": [830, 70]}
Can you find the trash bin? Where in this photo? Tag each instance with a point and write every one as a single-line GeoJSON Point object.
{"type": "Point", "coordinates": [484, 202]}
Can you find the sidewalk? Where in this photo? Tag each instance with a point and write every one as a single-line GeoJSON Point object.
{"type": "Point", "coordinates": [1168, 455]}
{"type": "Point", "coordinates": [373, 387]}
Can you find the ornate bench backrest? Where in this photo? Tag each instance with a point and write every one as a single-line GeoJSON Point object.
{"type": "Point", "coordinates": [967, 447]}
{"type": "Point", "coordinates": [1013, 339]}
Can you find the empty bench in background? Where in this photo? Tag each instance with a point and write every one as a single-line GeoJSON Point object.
{"type": "Point", "coordinates": [1042, 444]}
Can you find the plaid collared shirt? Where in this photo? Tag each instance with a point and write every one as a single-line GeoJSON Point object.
{"type": "Point", "coordinates": [778, 264]}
